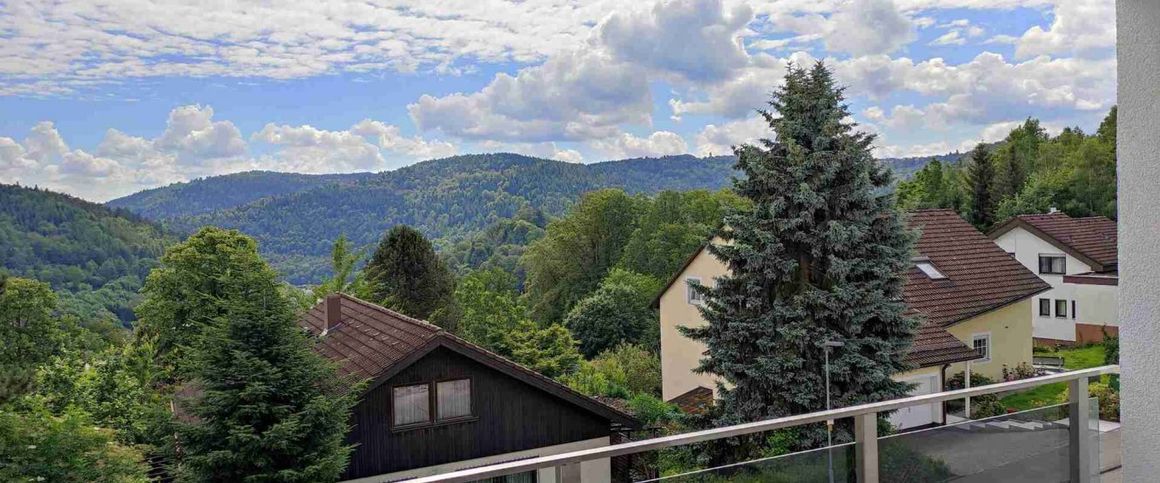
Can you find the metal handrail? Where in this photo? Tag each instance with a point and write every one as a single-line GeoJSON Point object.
{"type": "Point", "coordinates": [576, 457]}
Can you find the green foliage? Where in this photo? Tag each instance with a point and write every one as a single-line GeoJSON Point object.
{"type": "Point", "coordinates": [983, 406]}
{"type": "Point", "coordinates": [821, 256]}
{"type": "Point", "coordinates": [268, 407]}
{"type": "Point", "coordinates": [617, 312]}
{"type": "Point", "coordinates": [29, 328]}
{"type": "Point", "coordinates": [653, 411]}
{"type": "Point", "coordinates": [577, 251]}
{"type": "Point", "coordinates": [551, 350]}
{"type": "Point", "coordinates": [500, 245]}
{"type": "Point", "coordinates": [671, 226]}
{"type": "Point", "coordinates": [94, 256]}
{"type": "Point", "coordinates": [492, 309]}
{"type": "Point", "coordinates": [1109, 400]}
{"type": "Point", "coordinates": [623, 372]}
{"type": "Point", "coordinates": [981, 182]}
{"type": "Point", "coordinates": [934, 186]}
{"type": "Point", "coordinates": [36, 445]}
{"type": "Point", "coordinates": [404, 274]}
{"type": "Point", "coordinates": [188, 292]}
{"type": "Point", "coordinates": [448, 199]}
{"type": "Point", "coordinates": [342, 264]}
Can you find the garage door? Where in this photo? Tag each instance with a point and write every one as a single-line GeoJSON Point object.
{"type": "Point", "coordinates": [915, 416]}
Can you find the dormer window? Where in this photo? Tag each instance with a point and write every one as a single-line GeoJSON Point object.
{"type": "Point", "coordinates": [929, 269]}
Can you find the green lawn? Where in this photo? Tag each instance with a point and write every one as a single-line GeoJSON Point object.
{"type": "Point", "coordinates": [1077, 358]}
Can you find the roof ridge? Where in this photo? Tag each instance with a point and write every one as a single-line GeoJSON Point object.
{"type": "Point", "coordinates": [405, 318]}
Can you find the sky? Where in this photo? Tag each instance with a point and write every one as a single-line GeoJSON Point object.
{"type": "Point", "coordinates": [103, 98]}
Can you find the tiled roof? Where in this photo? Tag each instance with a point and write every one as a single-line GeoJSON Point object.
{"type": "Point", "coordinates": [981, 277]}
{"type": "Point", "coordinates": [371, 342]}
{"type": "Point", "coordinates": [694, 401]}
{"type": "Point", "coordinates": [934, 346]}
{"type": "Point", "coordinates": [1091, 239]}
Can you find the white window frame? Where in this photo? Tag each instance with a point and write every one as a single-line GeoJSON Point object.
{"type": "Point", "coordinates": [932, 272]}
{"type": "Point", "coordinates": [691, 296]}
{"type": "Point", "coordinates": [986, 336]}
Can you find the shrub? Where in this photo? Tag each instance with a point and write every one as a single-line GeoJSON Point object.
{"type": "Point", "coordinates": [1109, 400]}
{"type": "Point", "coordinates": [1021, 371]}
{"type": "Point", "coordinates": [983, 406]}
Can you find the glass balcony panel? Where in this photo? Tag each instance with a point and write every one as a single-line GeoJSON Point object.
{"type": "Point", "coordinates": [1029, 446]}
{"type": "Point", "coordinates": [806, 466]}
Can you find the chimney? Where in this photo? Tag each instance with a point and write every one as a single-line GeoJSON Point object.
{"type": "Point", "coordinates": [333, 311]}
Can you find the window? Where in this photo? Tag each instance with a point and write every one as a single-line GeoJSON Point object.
{"type": "Point", "coordinates": [454, 399]}
{"type": "Point", "coordinates": [982, 345]}
{"type": "Point", "coordinates": [930, 271]}
{"type": "Point", "coordinates": [412, 404]}
{"type": "Point", "coordinates": [1061, 309]}
{"type": "Point", "coordinates": [1073, 309]}
{"type": "Point", "coordinates": [693, 296]}
{"type": "Point", "coordinates": [1045, 307]}
{"type": "Point", "coordinates": [1053, 264]}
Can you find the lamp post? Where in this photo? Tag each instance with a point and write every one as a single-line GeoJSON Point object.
{"type": "Point", "coordinates": [829, 422]}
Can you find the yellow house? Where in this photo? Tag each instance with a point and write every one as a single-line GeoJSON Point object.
{"type": "Point", "coordinates": [974, 300]}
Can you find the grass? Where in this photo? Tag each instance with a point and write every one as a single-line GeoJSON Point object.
{"type": "Point", "coordinates": [1073, 359]}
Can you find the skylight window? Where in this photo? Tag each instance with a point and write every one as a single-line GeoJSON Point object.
{"type": "Point", "coordinates": [930, 271]}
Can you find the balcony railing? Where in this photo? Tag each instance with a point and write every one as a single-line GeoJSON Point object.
{"type": "Point", "coordinates": [1077, 428]}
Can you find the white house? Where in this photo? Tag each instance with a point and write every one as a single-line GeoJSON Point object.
{"type": "Point", "coordinates": [973, 300]}
{"type": "Point", "coordinates": [1078, 257]}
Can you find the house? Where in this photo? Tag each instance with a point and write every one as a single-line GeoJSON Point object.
{"type": "Point", "coordinates": [1078, 257]}
{"type": "Point", "coordinates": [972, 297]}
{"type": "Point", "coordinates": [436, 403]}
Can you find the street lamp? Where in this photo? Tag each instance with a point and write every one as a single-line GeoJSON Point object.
{"type": "Point", "coordinates": [829, 422]}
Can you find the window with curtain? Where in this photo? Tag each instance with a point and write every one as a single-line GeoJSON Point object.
{"type": "Point", "coordinates": [1061, 309]}
{"type": "Point", "coordinates": [411, 404]}
{"type": "Point", "coordinates": [1053, 264]}
{"type": "Point", "coordinates": [454, 399]}
{"type": "Point", "coordinates": [1045, 307]}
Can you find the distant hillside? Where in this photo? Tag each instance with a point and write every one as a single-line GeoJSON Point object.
{"type": "Point", "coordinates": [904, 168]}
{"type": "Point", "coordinates": [95, 255]}
{"type": "Point", "coordinates": [204, 195]}
{"type": "Point", "coordinates": [296, 217]}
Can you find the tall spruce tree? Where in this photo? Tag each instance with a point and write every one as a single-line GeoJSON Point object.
{"type": "Point", "coordinates": [269, 407]}
{"type": "Point", "coordinates": [405, 274]}
{"type": "Point", "coordinates": [981, 181]}
{"type": "Point", "coordinates": [821, 256]}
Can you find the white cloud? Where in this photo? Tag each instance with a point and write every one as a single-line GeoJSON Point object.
{"type": "Point", "coordinates": [192, 134]}
{"type": "Point", "coordinates": [311, 150]}
{"type": "Point", "coordinates": [949, 38]}
{"type": "Point", "coordinates": [389, 138]}
{"type": "Point", "coordinates": [1078, 27]}
{"type": "Point", "coordinates": [660, 143]}
{"type": "Point", "coordinates": [869, 27]}
{"type": "Point", "coordinates": [546, 150]}
{"type": "Point", "coordinates": [698, 40]}
{"type": "Point", "coordinates": [714, 140]}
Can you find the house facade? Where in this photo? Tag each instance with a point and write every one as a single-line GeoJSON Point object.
{"type": "Point", "coordinates": [435, 403]}
{"type": "Point", "coordinates": [1078, 257]}
{"type": "Point", "coordinates": [972, 297]}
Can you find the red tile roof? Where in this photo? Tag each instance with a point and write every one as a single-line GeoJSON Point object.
{"type": "Point", "coordinates": [371, 342]}
{"type": "Point", "coordinates": [981, 277]}
{"type": "Point", "coordinates": [1091, 239]}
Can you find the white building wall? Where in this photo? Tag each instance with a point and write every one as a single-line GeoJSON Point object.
{"type": "Point", "coordinates": [1094, 304]}
{"type": "Point", "coordinates": [1138, 65]}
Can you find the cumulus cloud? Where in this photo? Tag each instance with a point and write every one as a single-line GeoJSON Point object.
{"type": "Point", "coordinates": [717, 140]}
{"type": "Point", "coordinates": [192, 134]}
{"type": "Point", "coordinates": [389, 138]}
{"type": "Point", "coordinates": [546, 150]}
{"type": "Point", "coordinates": [869, 27]}
{"type": "Point", "coordinates": [1079, 26]}
{"type": "Point", "coordinates": [697, 39]}
{"type": "Point", "coordinates": [660, 143]}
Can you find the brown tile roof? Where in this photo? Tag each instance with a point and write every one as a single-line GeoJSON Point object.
{"type": "Point", "coordinates": [1091, 239]}
{"type": "Point", "coordinates": [371, 342]}
{"type": "Point", "coordinates": [934, 346]}
{"type": "Point", "coordinates": [694, 401]}
{"type": "Point", "coordinates": [981, 277]}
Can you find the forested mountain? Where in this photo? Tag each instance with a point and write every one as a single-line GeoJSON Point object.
{"type": "Point", "coordinates": [95, 256]}
{"type": "Point", "coordinates": [203, 195]}
{"type": "Point", "coordinates": [296, 217]}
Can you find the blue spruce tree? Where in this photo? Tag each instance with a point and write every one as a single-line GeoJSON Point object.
{"type": "Point", "coordinates": [820, 256]}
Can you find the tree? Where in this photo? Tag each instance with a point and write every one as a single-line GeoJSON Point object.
{"type": "Point", "coordinates": [617, 312]}
{"type": "Point", "coordinates": [342, 263]}
{"type": "Point", "coordinates": [29, 332]}
{"type": "Point", "coordinates": [577, 251]}
{"type": "Point", "coordinates": [1018, 157]}
{"type": "Point", "coordinates": [492, 309]}
{"type": "Point", "coordinates": [981, 179]}
{"type": "Point", "coordinates": [188, 292]}
{"type": "Point", "coordinates": [672, 225]}
{"type": "Point", "coordinates": [269, 407]}
{"type": "Point", "coordinates": [551, 350]}
{"type": "Point", "coordinates": [406, 275]}
{"type": "Point", "coordinates": [36, 445]}
{"type": "Point", "coordinates": [821, 256]}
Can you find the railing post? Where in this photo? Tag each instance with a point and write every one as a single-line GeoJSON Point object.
{"type": "Point", "coordinates": [1079, 444]}
{"type": "Point", "coordinates": [568, 473]}
{"type": "Point", "coordinates": [866, 446]}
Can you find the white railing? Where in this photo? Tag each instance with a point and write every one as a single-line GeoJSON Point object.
{"type": "Point", "coordinates": [865, 416]}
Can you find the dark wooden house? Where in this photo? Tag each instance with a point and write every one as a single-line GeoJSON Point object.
{"type": "Point", "coordinates": [436, 403]}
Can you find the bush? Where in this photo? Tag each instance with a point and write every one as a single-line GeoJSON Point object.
{"type": "Point", "coordinates": [1021, 371]}
{"type": "Point", "coordinates": [1109, 400]}
{"type": "Point", "coordinates": [983, 406]}
{"type": "Point", "coordinates": [37, 446]}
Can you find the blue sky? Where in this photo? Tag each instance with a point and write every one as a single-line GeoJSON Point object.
{"type": "Point", "coordinates": [102, 100]}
